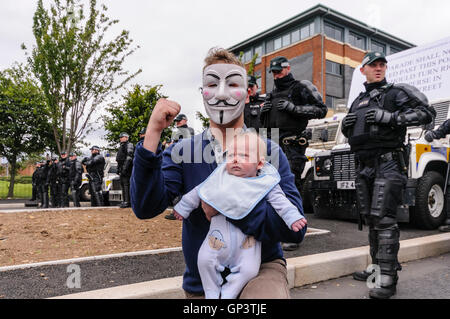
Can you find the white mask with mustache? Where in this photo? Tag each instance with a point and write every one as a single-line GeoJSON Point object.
{"type": "Point", "coordinates": [224, 92]}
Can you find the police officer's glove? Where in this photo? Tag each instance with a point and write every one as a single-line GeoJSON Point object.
{"type": "Point", "coordinates": [84, 160]}
{"type": "Point", "coordinates": [429, 136]}
{"type": "Point", "coordinates": [287, 106]}
{"type": "Point", "coordinates": [377, 116]}
{"type": "Point", "coordinates": [267, 106]}
{"type": "Point", "coordinates": [349, 120]}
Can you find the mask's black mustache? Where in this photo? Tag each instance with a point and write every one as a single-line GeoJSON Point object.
{"type": "Point", "coordinates": [224, 102]}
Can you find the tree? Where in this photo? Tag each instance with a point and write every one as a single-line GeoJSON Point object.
{"type": "Point", "coordinates": [132, 114]}
{"type": "Point", "coordinates": [25, 128]}
{"type": "Point", "coordinates": [203, 119]}
{"type": "Point", "coordinates": [78, 69]}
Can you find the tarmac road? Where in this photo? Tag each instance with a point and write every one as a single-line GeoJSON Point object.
{"type": "Point", "coordinates": [427, 278]}
{"type": "Point", "coordinates": [50, 281]}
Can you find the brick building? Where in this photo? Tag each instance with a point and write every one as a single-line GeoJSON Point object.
{"type": "Point", "coordinates": [323, 46]}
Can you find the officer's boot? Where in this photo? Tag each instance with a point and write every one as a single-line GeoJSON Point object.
{"type": "Point", "coordinates": [126, 197]}
{"type": "Point", "coordinates": [446, 227]}
{"type": "Point", "coordinates": [373, 242]}
{"type": "Point", "coordinates": [75, 197]}
{"type": "Point", "coordinates": [44, 200]}
{"type": "Point", "coordinates": [98, 198]}
{"type": "Point", "coordinates": [388, 247]}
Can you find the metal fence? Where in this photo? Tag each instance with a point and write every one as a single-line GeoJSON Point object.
{"type": "Point", "coordinates": [22, 187]}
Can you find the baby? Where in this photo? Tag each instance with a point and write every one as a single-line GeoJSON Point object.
{"type": "Point", "coordinates": [234, 189]}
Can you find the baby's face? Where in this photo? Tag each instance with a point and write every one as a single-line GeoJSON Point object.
{"type": "Point", "coordinates": [243, 159]}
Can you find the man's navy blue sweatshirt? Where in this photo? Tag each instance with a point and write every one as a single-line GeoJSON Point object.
{"type": "Point", "coordinates": [157, 179]}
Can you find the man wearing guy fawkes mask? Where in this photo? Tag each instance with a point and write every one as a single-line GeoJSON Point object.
{"type": "Point", "coordinates": [158, 177]}
{"type": "Point", "coordinates": [289, 107]}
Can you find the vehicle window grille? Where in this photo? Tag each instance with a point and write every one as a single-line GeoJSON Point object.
{"type": "Point", "coordinates": [344, 168]}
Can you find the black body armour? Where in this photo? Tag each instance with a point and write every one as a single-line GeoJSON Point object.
{"type": "Point", "coordinates": [286, 121]}
{"type": "Point", "coordinates": [252, 112]}
{"type": "Point", "coordinates": [372, 136]}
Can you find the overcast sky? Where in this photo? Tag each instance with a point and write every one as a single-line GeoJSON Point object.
{"type": "Point", "coordinates": [174, 36]}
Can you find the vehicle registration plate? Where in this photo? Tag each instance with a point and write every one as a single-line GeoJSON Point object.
{"type": "Point", "coordinates": [346, 185]}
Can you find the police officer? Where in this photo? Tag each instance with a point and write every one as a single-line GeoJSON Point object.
{"type": "Point", "coordinates": [182, 129]}
{"type": "Point", "coordinates": [75, 175]}
{"type": "Point", "coordinates": [124, 160]}
{"type": "Point", "coordinates": [439, 133]}
{"type": "Point", "coordinates": [376, 129]}
{"type": "Point", "coordinates": [52, 181]}
{"type": "Point", "coordinates": [42, 183]}
{"type": "Point", "coordinates": [289, 107]}
{"type": "Point", "coordinates": [63, 172]}
{"type": "Point", "coordinates": [95, 165]}
{"type": "Point", "coordinates": [252, 109]}
{"type": "Point", "coordinates": [142, 134]}
{"type": "Point", "coordinates": [35, 196]}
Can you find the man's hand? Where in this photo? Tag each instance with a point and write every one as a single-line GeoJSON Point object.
{"type": "Point", "coordinates": [349, 120]}
{"type": "Point", "coordinates": [299, 224]}
{"type": "Point", "coordinates": [162, 116]}
{"type": "Point", "coordinates": [284, 105]}
{"type": "Point", "coordinates": [429, 136]}
{"type": "Point", "coordinates": [378, 116]}
{"type": "Point", "coordinates": [209, 211]}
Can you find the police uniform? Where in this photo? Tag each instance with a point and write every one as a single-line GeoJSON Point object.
{"type": "Point", "coordinates": [34, 183]}
{"type": "Point", "coordinates": [52, 181]}
{"type": "Point", "coordinates": [95, 165]}
{"type": "Point", "coordinates": [182, 131]}
{"type": "Point", "coordinates": [75, 175]}
{"type": "Point", "coordinates": [42, 183]}
{"type": "Point", "coordinates": [439, 133]}
{"type": "Point", "coordinates": [252, 109]}
{"type": "Point", "coordinates": [289, 107]}
{"type": "Point", "coordinates": [124, 160]}
{"type": "Point", "coordinates": [376, 130]}
{"type": "Point", "coordinates": [63, 171]}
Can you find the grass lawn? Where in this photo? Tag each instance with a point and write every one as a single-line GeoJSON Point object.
{"type": "Point", "coordinates": [20, 190]}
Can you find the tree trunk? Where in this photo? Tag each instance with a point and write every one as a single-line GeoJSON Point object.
{"type": "Point", "coordinates": [11, 181]}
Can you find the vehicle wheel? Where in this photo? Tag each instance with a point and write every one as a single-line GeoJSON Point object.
{"type": "Point", "coordinates": [85, 195]}
{"type": "Point", "coordinates": [306, 195]}
{"type": "Point", "coordinates": [429, 212]}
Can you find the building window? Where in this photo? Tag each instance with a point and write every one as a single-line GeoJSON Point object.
{"type": "Point", "coordinates": [334, 32]}
{"type": "Point", "coordinates": [277, 43]}
{"type": "Point", "coordinates": [334, 68]}
{"type": "Point", "coordinates": [258, 50]}
{"type": "Point", "coordinates": [394, 50]}
{"type": "Point", "coordinates": [295, 36]}
{"type": "Point", "coordinates": [377, 46]}
{"type": "Point", "coordinates": [329, 102]}
{"type": "Point", "coordinates": [357, 40]}
{"type": "Point", "coordinates": [248, 56]}
{"type": "Point", "coordinates": [257, 74]}
{"type": "Point", "coordinates": [269, 46]}
{"type": "Point", "coordinates": [286, 39]}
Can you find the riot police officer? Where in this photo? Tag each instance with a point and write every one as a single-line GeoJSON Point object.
{"type": "Point", "coordinates": [142, 134]}
{"type": "Point", "coordinates": [42, 183]}
{"type": "Point", "coordinates": [182, 129]}
{"type": "Point", "coordinates": [252, 109]}
{"type": "Point", "coordinates": [35, 196]}
{"type": "Point", "coordinates": [95, 165]}
{"type": "Point", "coordinates": [63, 172]}
{"type": "Point", "coordinates": [376, 129]}
{"type": "Point", "coordinates": [124, 160]}
{"type": "Point", "coordinates": [52, 181]}
{"type": "Point", "coordinates": [289, 107]}
{"type": "Point", "coordinates": [75, 174]}
{"type": "Point", "coordinates": [439, 133]}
